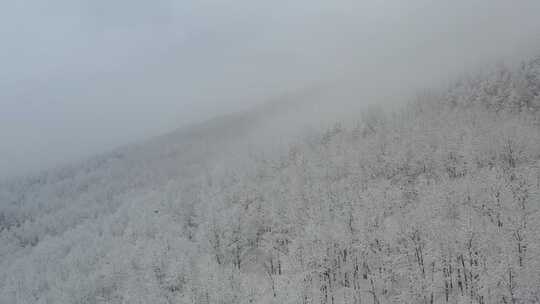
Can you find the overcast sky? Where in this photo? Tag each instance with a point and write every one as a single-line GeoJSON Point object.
{"type": "Point", "coordinates": [79, 77]}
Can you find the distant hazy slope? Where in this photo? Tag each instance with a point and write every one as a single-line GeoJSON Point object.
{"type": "Point", "coordinates": [434, 203]}
{"type": "Point", "coordinates": [101, 180]}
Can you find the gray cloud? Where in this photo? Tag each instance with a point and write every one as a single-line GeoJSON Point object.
{"type": "Point", "coordinates": [83, 76]}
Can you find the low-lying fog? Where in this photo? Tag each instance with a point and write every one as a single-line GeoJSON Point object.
{"type": "Point", "coordinates": [80, 77]}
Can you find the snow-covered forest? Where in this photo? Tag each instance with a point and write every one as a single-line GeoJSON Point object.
{"type": "Point", "coordinates": [435, 202]}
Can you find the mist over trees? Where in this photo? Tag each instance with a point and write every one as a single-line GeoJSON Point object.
{"type": "Point", "coordinates": [437, 202]}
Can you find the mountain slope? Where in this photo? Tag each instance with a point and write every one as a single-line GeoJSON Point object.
{"type": "Point", "coordinates": [433, 203]}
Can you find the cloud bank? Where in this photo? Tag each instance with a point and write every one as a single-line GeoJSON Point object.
{"type": "Point", "coordinates": [79, 77]}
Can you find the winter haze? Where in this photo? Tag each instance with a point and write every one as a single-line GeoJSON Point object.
{"type": "Point", "coordinates": [284, 152]}
{"type": "Point", "coordinates": [81, 77]}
